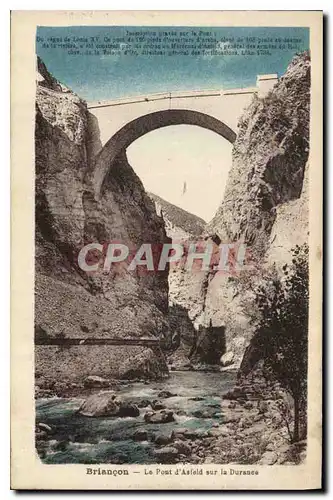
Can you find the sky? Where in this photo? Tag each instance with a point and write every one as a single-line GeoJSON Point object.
{"type": "Point", "coordinates": [166, 158]}
{"type": "Point", "coordinates": [107, 77]}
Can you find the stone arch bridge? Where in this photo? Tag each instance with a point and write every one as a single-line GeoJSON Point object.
{"type": "Point", "coordinates": [114, 125]}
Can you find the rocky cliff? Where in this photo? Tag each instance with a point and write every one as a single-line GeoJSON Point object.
{"type": "Point", "coordinates": [196, 345]}
{"type": "Point", "coordinates": [269, 158]}
{"type": "Point", "coordinates": [179, 223]}
{"type": "Point", "coordinates": [68, 302]}
{"type": "Point", "coordinates": [265, 203]}
{"type": "Point", "coordinates": [181, 227]}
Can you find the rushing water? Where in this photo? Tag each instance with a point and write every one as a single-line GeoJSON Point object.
{"type": "Point", "coordinates": [78, 439]}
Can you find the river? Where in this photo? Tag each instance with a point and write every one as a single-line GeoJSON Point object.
{"type": "Point", "coordinates": [79, 439]}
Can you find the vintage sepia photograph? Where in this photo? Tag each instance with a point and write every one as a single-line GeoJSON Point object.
{"type": "Point", "coordinates": [172, 245]}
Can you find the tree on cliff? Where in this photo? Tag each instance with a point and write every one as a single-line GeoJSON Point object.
{"type": "Point", "coordinates": [281, 339]}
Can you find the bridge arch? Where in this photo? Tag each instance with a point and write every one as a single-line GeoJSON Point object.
{"type": "Point", "coordinates": [147, 123]}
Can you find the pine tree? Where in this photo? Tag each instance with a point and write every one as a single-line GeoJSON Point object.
{"type": "Point", "coordinates": [282, 334]}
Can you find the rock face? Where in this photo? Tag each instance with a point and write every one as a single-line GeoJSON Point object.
{"type": "Point", "coordinates": [185, 288]}
{"type": "Point", "coordinates": [69, 214]}
{"type": "Point", "coordinates": [178, 222]}
{"type": "Point", "coordinates": [266, 200]}
{"type": "Point", "coordinates": [290, 226]}
{"type": "Point", "coordinates": [100, 405]}
{"type": "Point", "coordinates": [265, 206]}
{"type": "Point", "coordinates": [194, 342]}
{"type": "Point", "coordinates": [269, 158]}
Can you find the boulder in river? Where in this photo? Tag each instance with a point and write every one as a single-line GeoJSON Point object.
{"type": "Point", "coordinates": [166, 455]}
{"type": "Point", "coordinates": [128, 410]}
{"type": "Point", "coordinates": [44, 427]}
{"type": "Point", "coordinates": [94, 381]}
{"type": "Point", "coordinates": [61, 445]}
{"type": "Point", "coordinates": [227, 358]}
{"type": "Point", "coordinates": [157, 405]}
{"type": "Point", "coordinates": [99, 405]}
{"type": "Point", "coordinates": [205, 413]}
{"type": "Point", "coordinates": [140, 435]}
{"type": "Point", "coordinates": [162, 439]}
{"type": "Point", "coordinates": [104, 404]}
{"type": "Point", "coordinates": [179, 433]}
{"type": "Point", "coordinates": [166, 394]}
{"type": "Point", "coordinates": [143, 403]}
{"type": "Point", "coordinates": [182, 447]}
{"type": "Point", "coordinates": [159, 417]}
{"type": "Point", "coordinates": [268, 458]}
{"type": "Point", "coordinates": [184, 433]}
{"type": "Point", "coordinates": [236, 393]}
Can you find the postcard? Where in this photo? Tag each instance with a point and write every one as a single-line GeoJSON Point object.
{"type": "Point", "coordinates": [166, 250]}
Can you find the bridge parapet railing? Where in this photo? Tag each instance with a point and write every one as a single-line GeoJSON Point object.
{"type": "Point", "coordinates": [249, 90]}
{"type": "Point", "coordinates": [264, 84]}
{"type": "Point", "coordinates": [130, 100]}
{"type": "Point", "coordinates": [177, 94]}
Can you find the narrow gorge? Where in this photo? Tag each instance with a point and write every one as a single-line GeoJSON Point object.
{"type": "Point", "coordinates": [202, 321]}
